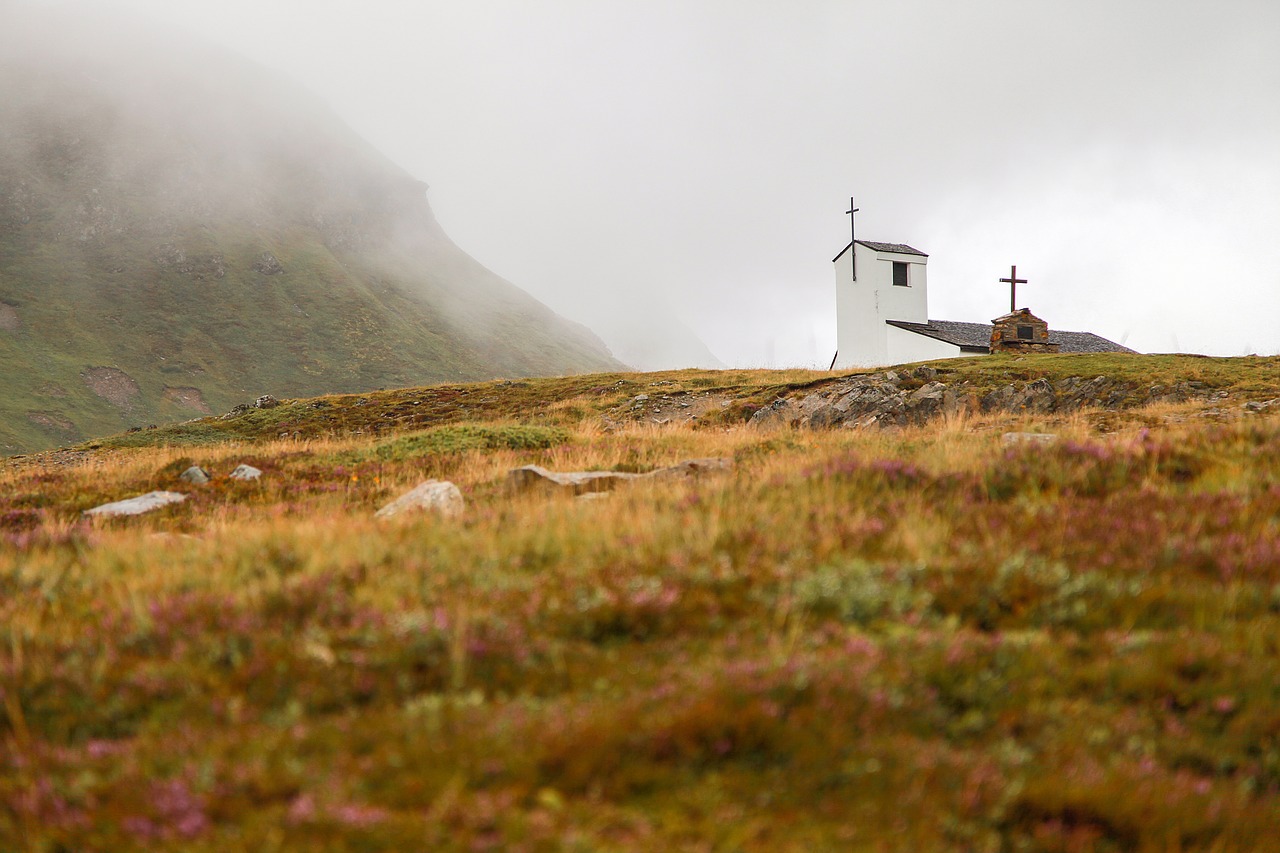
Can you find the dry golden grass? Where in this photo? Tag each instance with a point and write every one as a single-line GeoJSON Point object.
{"type": "Point", "coordinates": [913, 639]}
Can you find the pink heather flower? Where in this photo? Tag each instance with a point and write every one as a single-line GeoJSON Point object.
{"type": "Point", "coordinates": [355, 814]}
{"type": "Point", "coordinates": [1224, 704]}
{"type": "Point", "coordinates": [139, 827]}
{"type": "Point", "coordinates": [192, 824]}
{"type": "Point", "coordinates": [302, 809]}
{"type": "Point", "coordinates": [103, 748]}
{"type": "Point", "coordinates": [860, 644]}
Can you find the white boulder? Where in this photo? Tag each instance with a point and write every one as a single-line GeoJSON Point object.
{"type": "Point", "coordinates": [438, 496]}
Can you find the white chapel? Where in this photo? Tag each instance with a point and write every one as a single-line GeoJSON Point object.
{"type": "Point", "coordinates": [882, 313]}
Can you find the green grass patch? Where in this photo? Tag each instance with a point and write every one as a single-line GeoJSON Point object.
{"type": "Point", "coordinates": [460, 438]}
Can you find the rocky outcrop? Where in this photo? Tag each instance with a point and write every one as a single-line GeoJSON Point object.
{"type": "Point", "coordinates": [268, 264]}
{"type": "Point", "coordinates": [111, 384]}
{"type": "Point", "coordinates": [913, 397]}
{"type": "Point", "coordinates": [54, 423]}
{"type": "Point", "coordinates": [187, 397]}
{"type": "Point", "coordinates": [171, 256]}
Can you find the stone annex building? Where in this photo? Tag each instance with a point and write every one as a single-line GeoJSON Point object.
{"type": "Point", "coordinates": [882, 315]}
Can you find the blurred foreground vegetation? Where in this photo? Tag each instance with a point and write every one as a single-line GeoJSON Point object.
{"type": "Point", "coordinates": [918, 639]}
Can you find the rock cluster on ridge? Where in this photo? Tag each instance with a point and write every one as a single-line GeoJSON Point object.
{"type": "Point", "coordinates": [913, 397]}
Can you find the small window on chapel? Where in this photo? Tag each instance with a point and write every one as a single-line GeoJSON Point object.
{"type": "Point", "coordinates": [1026, 333]}
{"type": "Point", "coordinates": [900, 274]}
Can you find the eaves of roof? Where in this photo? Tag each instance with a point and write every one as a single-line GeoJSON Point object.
{"type": "Point", "coordinates": [894, 248]}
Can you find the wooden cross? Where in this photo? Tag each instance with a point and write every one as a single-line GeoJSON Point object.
{"type": "Point", "coordinates": [853, 239]}
{"type": "Point", "coordinates": [1013, 282]}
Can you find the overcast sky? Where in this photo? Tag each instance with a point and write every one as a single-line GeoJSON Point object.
{"type": "Point", "coordinates": [624, 158]}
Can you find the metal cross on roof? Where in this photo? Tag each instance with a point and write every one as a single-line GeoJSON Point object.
{"type": "Point", "coordinates": [853, 239]}
{"type": "Point", "coordinates": [1013, 281]}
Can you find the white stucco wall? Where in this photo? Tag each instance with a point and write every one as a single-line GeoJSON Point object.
{"type": "Point", "coordinates": [862, 306]}
{"type": "Point", "coordinates": [905, 347]}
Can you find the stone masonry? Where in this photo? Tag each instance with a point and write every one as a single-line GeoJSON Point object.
{"type": "Point", "coordinates": [1021, 331]}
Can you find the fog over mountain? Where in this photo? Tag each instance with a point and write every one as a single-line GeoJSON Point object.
{"type": "Point", "coordinates": [700, 154]}
{"type": "Point", "coordinates": [182, 230]}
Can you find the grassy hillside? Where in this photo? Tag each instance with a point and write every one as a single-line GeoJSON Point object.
{"type": "Point", "coordinates": [906, 639]}
{"type": "Point", "coordinates": [180, 232]}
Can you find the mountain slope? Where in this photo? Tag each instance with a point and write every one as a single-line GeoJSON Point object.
{"type": "Point", "coordinates": [180, 231]}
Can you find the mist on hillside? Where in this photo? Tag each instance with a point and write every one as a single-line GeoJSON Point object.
{"type": "Point", "coordinates": [182, 230]}
{"type": "Point", "coordinates": [146, 128]}
{"type": "Point", "coordinates": [635, 163]}
{"type": "Point", "coordinates": [614, 157]}
{"type": "Point", "coordinates": [190, 133]}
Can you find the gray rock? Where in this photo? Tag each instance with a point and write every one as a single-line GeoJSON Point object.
{"type": "Point", "coordinates": [1044, 439]}
{"type": "Point", "coordinates": [1075, 393]}
{"type": "Point", "coordinates": [930, 401]}
{"type": "Point", "coordinates": [195, 474]}
{"type": "Point", "coordinates": [864, 397]}
{"type": "Point", "coordinates": [137, 506]}
{"type": "Point", "coordinates": [890, 411]}
{"type": "Point", "coordinates": [780, 413]}
{"type": "Point", "coordinates": [1039, 396]}
{"type": "Point", "coordinates": [266, 401]}
{"type": "Point", "coordinates": [1256, 406]}
{"type": "Point", "coordinates": [827, 416]}
{"type": "Point", "coordinates": [438, 496]}
{"type": "Point", "coordinates": [268, 264]}
{"type": "Point", "coordinates": [245, 472]}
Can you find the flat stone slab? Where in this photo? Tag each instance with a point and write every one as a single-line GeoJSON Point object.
{"type": "Point", "coordinates": [578, 482]}
{"type": "Point", "coordinates": [1033, 438]}
{"type": "Point", "coordinates": [585, 482]}
{"type": "Point", "coordinates": [138, 505]}
{"type": "Point", "coordinates": [245, 472]}
{"type": "Point", "coordinates": [693, 467]}
{"type": "Point", "coordinates": [438, 496]}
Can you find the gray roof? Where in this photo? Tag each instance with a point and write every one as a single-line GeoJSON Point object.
{"type": "Point", "coordinates": [897, 248]}
{"type": "Point", "coordinates": [976, 337]}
